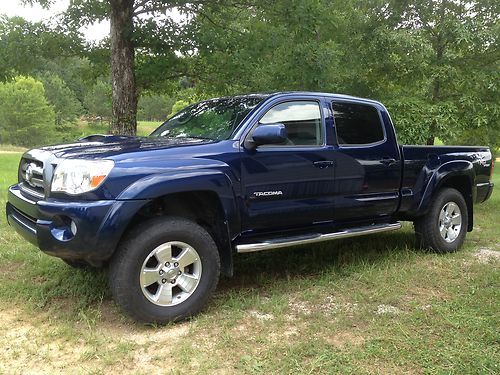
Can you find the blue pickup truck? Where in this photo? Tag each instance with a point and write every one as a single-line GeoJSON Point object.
{"type": "Point", "coordinates": [169, 212]}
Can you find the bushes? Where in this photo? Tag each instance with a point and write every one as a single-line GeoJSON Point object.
{"type": "Point", "coordinates": [39, 112]}
{"type": "Point", "coordinates": [26, 117]}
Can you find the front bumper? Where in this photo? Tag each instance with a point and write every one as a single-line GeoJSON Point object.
{"type": "Point", "coordinates": [48, 224]}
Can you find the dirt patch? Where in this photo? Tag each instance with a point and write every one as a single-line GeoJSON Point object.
{"type": "Point", "coordinates": [345, 338]}
{"type": "Point", "coordinates": [333, 306]}
{"type": "Point", "coordinates": [387, 310]}
{"type": "Point", "coordinates": [33, 344]}
{"type": "Point", "coordinates": [485, 255]}
{"type": "Point", "coordinates": [300, 307]}
{"type": "Point", "coordinates": [24, 347]}
{"type": "Point", "coordinates": [10, 270]}
{"type": "Point", "coordinates": [379, 367]}
{"type": "Point", "coordinates": [261, 316]}
{"type": "Point", "coordinates": [330, 305]}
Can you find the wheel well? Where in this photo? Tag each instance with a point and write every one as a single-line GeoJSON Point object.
{"type": "Point", "coordinates": [464, 186]}
{"type": "Point", "coordinates": [201, 207]}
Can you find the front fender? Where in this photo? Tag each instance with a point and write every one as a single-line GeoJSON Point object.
{"type": "Point", "coordinates": [158, 185]}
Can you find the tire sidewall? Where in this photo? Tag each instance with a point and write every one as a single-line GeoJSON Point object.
{"type": "Point", "coordinates": [138, 248]}
{"type": "Point", "coordinates": [439, 243]}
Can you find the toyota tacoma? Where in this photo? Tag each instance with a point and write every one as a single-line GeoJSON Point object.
{"type": "Point", "coordinates": [169, 212]}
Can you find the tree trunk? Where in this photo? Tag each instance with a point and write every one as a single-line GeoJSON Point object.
{"type": "Point", "coordinates": [124, 120]}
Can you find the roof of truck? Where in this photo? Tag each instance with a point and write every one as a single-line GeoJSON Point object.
{"type": "Point", "coordinates": [266, 95]}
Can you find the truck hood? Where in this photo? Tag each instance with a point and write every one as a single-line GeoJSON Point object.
{"type": "Point", "coordinates": [137, 158]}
{"type": "Point", "coordinates": [100, 146]}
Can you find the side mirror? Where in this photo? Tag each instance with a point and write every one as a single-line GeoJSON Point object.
{"type": "Point", "coordinates": [267, 134]}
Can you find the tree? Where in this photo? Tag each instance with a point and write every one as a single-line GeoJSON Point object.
{"type": "Point", "coordinates": [142, 26]}
{"type": "Point", "coordinates": [434, 63]}
{"type": "Point", "coordinates": [53, 56]}
{"type": "Point", "coordinates": [27, 46]}
{"type": "Point", "coordinates": [66, 106]}
{"type": "Point", "coordinates": [179, 105]}
{"type": "Point", "coordinates": [26, 117]}
{"type": "Point", "coordinates": [148, 45]}
{"type": "Point", "coordinates": [154, 107]}
{"type": "Point", "coordinates": [98, 100]}
{"type": "Point", "coordinates": [455, 73]}
{"type": "Point", "coordinates": [78, 73]}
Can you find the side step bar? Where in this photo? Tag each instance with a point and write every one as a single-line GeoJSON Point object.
{"type": "Point", "coordinates": [314, 238]}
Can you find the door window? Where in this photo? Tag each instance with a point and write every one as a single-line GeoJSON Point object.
{"type": "Point", "coordinates": [302, 120]}
{"type": "Point", "coordinates": [357, 124]}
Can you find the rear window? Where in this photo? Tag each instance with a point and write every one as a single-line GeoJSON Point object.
{"type": "Point", "coordinates": [357, 124]}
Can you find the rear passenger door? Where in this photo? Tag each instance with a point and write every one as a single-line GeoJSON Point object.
{"type": "Point", "coordinates": [367, 162]}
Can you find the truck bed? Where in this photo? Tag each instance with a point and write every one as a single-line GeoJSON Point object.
{"type": "Point", "coordinates": [422, 165]}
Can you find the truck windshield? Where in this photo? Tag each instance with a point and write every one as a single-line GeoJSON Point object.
{"type": "Point", "coordinates": [212, 119]}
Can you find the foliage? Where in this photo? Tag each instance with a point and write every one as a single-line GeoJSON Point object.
{"type": "Point", "coordinates": [67, 107]}
{"type": "Point", "coordinates": [26, 46]}
{"type": "Point", "coordinates": [179, 105]}
{"type": "Point", "coordinates": [454, 76]}
{"type": "Point", "coordinates": [97, 101]}
{"type": "Point", "coordinates": [26, 117]}
{"type": "Point", "coordinates": [58, 57]}
{"type": "Point", "coordinates": [78, 73]}
{"type": "Point", "coordinates": [154, 107]}
{"type": "Point", "coordinates": [434, 64]}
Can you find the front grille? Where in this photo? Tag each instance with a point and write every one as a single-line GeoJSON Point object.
{"type": "Point", "coordinates": [31, 176]}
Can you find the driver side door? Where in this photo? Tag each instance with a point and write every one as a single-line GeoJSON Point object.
{"type": "Point", "coordinates": [289, 185]}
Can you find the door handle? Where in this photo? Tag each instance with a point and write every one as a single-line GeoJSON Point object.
{"type": "Point", "coordinates": [323, 163]}
{"type": "Point", "coordinates": [386, 160]}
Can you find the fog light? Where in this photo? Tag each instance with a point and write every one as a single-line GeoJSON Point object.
{"type": "Point", "coordinates": [63, 228]}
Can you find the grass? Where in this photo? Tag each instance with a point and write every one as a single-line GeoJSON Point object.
{"type": "Point", "coordinates": [84, 128]}
{"type": "Point", "coordinates": [362, 306]}
{"type": "Point", "coordinates": [147, 127]}
{"type": "Point", "coordinates": [11, 148]}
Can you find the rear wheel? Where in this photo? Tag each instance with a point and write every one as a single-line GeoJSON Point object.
{"type": "Point", "coordinates": [444, 227]}
{"type": "Point", "coordinates": [165, 270]}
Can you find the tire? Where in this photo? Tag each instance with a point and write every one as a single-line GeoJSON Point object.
{"type": "Point", "coordinates": [444, 227]}
{"type": "Point", "coordinates": [149, 274]}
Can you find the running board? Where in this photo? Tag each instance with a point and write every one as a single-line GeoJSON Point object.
{"type": "Point", "coordinates": [314, 238]}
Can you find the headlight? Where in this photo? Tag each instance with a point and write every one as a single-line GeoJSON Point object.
{"type": "Point", "coordinates": [76, 176]}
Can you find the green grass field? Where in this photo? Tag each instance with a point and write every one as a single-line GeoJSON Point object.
{"type": "Point", "coordinates": [85, 128]}
{"type": "Point", "coordinates": [372, 305]}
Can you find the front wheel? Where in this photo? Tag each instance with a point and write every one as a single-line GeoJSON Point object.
{"type": "Point", "coordinates": [165, 270]}
{"type": "Point", "coordinates": [444, 227]}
